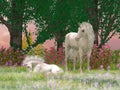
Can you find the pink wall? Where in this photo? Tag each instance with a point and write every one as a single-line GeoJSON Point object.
{"type": "Point", "coordinates": [4, 36]}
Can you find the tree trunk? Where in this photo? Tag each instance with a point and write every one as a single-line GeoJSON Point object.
{"type": "Point", "coordinates": [16, 25]}
{"type": "Point", "coordinates": [96, 36]}
{"type": "Point", "coordinates": [58, 39]}
{"type": "Point", "coordinates": [16, 39]}
{"type": "Point", "coordinates": [94, 19]}
{"type": "Point", "coordinates": [59, 45]}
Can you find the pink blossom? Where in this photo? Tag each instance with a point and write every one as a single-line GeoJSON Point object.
{"type": "Point", "coordinates": [118, 65]}
{"type": "Point", "coordinates": [101, 67]}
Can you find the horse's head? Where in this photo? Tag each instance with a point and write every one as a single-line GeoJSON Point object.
{"type": "Point", "coordinates": [84, 30]}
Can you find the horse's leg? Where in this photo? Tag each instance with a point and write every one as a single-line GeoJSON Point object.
{"type": "Point", "coordinates": [88, 60]}
{"type": "Point", "coordinates": [66, 66]}
{"type": "Point", "coordinates": [74, 58]}
{"type": "Point", "coordinates": [66, 57]}
{"type": "Point", "coordinates": [80, 58]}
{"type": "Point", "coordinates": [74, 62]}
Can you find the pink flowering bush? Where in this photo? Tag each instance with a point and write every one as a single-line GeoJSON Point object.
{"type": "Point", "coordinates": [11, 57]}
{"type": "Point", "coordinates": [53, 56]}
{"type": "Point", "coordinates": [100, 57]}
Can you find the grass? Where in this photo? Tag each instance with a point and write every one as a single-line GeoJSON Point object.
{"type": "Point", "coordinates": [19, 79]}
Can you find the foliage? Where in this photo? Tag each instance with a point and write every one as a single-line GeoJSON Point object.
{"type": "Point", "coordinates": [100, 57]}
{"type": "Point", "coordinates": [37, 50]}
{"type": "Point", "coordinates": [24, 41]}
{"type": "Point", "coordinates": [10, 57]}
{"type": "Point", "coordinates": [55, 18]}
{"type": "Point", "coordinates": [116, 56]}
{"type": "Point", "coordinates": [23, 7]}
{"type": "Point", "coordinates": [115, 59]}
{"type": "Point", "coordinates": [15, 15]}
{"type": "Point", "coordinates": [62, 17]}
{"type": "Point", "coordinates": [53, 56]}
{"type": "Point", "coordinates": [109, 19]}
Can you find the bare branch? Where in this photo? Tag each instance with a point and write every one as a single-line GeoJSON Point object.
{"type": "Point", "coordinates": [110, 36]}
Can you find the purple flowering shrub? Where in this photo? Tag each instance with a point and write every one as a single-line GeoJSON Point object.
{"type": "Point", "coordinates": [53, 56]}
{"type": "Point", "coordinates": [100, 57]}
{"type": "Point", "coordinates": [10, 57]}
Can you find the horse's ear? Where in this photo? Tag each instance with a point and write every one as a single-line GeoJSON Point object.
{"type": "Point", "coordinates": [79, 23]}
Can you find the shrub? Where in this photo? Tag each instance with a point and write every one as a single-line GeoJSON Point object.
{"type": "Point", "coordinates": [116, 56]}
{"type": "Point", "coordinates": [53, 56]}
{"type": "Point", "coordinates": [11, 57]}
{"type": "Point", "coordinates": [100, 57]}
{"type": "Point", "coordinates": [38, 50]}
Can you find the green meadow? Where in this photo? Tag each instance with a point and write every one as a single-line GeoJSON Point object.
{"type": "Point", "coordinates": [18, 78]}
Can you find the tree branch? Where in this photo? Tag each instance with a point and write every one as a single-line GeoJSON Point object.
{"type": "Point", "coordinates": [107, 39]}
{"type": "Point", "coordinates": [27, 37]}
{"type": "Point", "coordinates": [3, 21]}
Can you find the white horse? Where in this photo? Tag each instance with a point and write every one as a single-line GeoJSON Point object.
{"type": "Point", "coordinates": [31, 61]}
{"type": "Point", "coordinates": [48, 68]}
{"type": "Point", "coordinates": [37, 64]}
{"type": "Point", "coordinates": [76, 44]}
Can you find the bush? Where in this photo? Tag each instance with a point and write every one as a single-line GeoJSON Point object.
{"type": "Point", "coordinates": [38, 50]}
{"type": "Point", "coordinates": [116, 56]}
{"type": "Point", "coordinates": [100, 57]}
{"type": "Point", "coordinates": [11, 57]}
{"type": "Point", "coordinates": [53, 56]}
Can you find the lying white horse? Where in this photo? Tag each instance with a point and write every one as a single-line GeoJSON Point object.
{"type": "Point", "coordinates": [44, 67]}
{"type": "Point", "coordinates": [36, 64]}
{"type": "Point", "coordinates": [31, 61]}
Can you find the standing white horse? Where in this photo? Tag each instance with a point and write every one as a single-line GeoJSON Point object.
{"type": "Point", "coordinates": [76, 44]}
